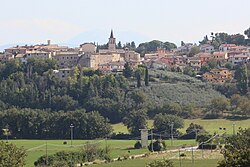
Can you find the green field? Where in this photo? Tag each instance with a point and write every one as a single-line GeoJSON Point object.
{"type": "Point", "coordinates": [210, 125]}
{"type": "Point", "coordinates": [209, 159]}
{"type": "Point", "coordinates": [143, 162]}
{"type": "Point", "coordinates": [119, 148]}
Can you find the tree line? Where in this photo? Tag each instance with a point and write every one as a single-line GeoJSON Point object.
{"type": "Point", "coordinates": [41, 124]}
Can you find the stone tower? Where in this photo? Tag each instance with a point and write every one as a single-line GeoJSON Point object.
{"type": "Point", "coordinates": [112, 43]}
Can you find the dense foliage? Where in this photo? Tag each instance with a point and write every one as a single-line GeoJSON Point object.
{"type": "Point", "coordinates": [40, 124]}
{"type": "Point", "coordinates": [237, 150]}
{"type": "Point", "coordinates": [160, 163]}
{"type": "Point", "coordinates": [167, 123]}
{"type": "Point", "coordinates": [152, 46]}
{"type": "Point", "coordinates": [11, 156]}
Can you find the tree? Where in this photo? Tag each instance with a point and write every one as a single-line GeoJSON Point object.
{"type": "Point", "coordinates": [65, 103]}
{"type": "Point", "coordinates": [158, 145]}
{"type": "Point", "coordinates": [146, 77]}
{"type": "Point", "coordinates": [194, 128]}
{"type": "Point", "coordinates": [133, 45]}
{"type": "Point", "coordinates": [139, 72]}
{"type": "Point", "coordinates": [247, 33]}
{"type": "Point", "coordinates": [163, 123]}
{"type": "Point", "coordinates": [160, 163]}
{"type": "Point", "coordinates": [139, 98]}
{"type": "Point", "coordinates": [194, 50]}
{"type": "Point", "coordinates": [119, 45]}
{"type": "Point", "coordinates": [171, 108]}
{"type": "Point", "coordinates": [11, 156]}
{"type": "Point", "coordinates": [212, 63]}
{"type": "Point", "coordinates": [241, 104]}
{"type": "Point", "coordinates": [219, 105]}
{"type": "Point", "coordinates": [242, 78]}
{"type": "Point", "coordinates": [237, 150]}
{"type": "Point", "coordinates": [128, 71]}
{"type": "Point", "coordinates": [135, 121]}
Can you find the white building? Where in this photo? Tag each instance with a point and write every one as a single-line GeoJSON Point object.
{"type": "Point", "coordinates": [207, 48]}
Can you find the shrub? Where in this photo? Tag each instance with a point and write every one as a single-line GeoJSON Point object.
{"type": "Point", "coordinates": [138, 145]}
{"type": "Point", "coordinates": [158, 145]}
{"type": "Point", "coordinates": [161, 163]}
{"type": "Point", "coordinates": [207, 146]}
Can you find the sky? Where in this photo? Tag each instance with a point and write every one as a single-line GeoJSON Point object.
{"type": "Point", "coordinates": [35, 21]}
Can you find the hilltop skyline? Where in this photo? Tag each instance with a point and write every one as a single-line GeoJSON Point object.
{"type": "Point", "coordinates": [66, 22]}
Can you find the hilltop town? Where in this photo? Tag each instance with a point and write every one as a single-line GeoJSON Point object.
{"type": "Point", "coordinates": [191, 95]}
{"type": "Point", "coordinates": [113, 59]}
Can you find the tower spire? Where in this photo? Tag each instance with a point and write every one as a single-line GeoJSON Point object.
{"type": "Point", "coordinates": [111, 34]}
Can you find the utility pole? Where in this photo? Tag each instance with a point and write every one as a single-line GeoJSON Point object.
{"type": "Point", "coordinates": [71, 137]}
{"type": "Point", "coordinates": [192, 155]}
{"type": "Point", "coordinates": [172, 137]}
{"type": "Point", "coordinates": [195, 134]}
{"type": "Point", "coordinates": [202, 150]}
{"type": "Point", "coordinates": [46, 146]}
{"type": "Point", "coordinates": [106, 146]}
{"type": "Point", "coordinates": [46, 152]}
{"type": "Point", "coordinates": [234, 128]}
{"type": "Point", "coordinates": [152, 148]}
{"type": "Point", "coordinates": [71, 133]}
{"type": "Point", "coordinates": [180, 157]}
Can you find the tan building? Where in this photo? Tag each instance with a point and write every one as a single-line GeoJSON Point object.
{"type": "Point", "coordinates": [34, 54]}
{"type": "Point", "coordinates": [63, 73]}
{"type": "Point", "coordinates": [194, 62]}
{"type": "Point", "coordinates": [113, 66]}
{"type": "Point", "coordinates": [220, 75]}
{"type": "Point", "coordinates": [16, 50]}
{"type": "Point", "coordinates": [220, 56]}
{"type": "Point", "coordinates": [105, 57]}
{"type": "Point", "coordinates": [88, 48]}
{"type": "Point", "coordinates": [67, 59]}
{"type": "Point", "coordinates": [4, 57]}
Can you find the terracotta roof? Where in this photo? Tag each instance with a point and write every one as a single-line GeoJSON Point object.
{"type": "Point", "coordinates": [227, 45]}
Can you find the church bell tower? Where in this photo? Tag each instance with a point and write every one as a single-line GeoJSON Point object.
{"type": "Point", "coordinates": [112, 43]}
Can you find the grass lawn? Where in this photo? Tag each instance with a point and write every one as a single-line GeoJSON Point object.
{"type": "Point", "coordinates": [210, 125]}
{"type": "Point", "coordinates": [210, 159]}
{"type": "Point", "coordinates": [143, 162]}
{"type": "Point", "coordinates": [37, 148]}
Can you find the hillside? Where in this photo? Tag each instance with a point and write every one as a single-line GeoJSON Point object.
{"type": "Point", "coordinates": [180, 88]}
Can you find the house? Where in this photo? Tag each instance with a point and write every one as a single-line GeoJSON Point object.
{"type": "Point", "coordinates": [63, 73]}
{"type": "Point", "coordinates": [88, 48]}
{"type": "Point", "coordinates": [112, 67]}
{"type": "Point", "coordinates": [4, 57]}
{"type": "Point", "coordinates": [67, 59]}
{"type": "Point", "coordinates": [226, 47]}
{"type": "Point", "coordinates": [194, 62]}
{"type": "Point", "coordinates": [207, 48]}
{"type": "Point", "coordinates": [185, 48]}
{"type": "Point", "coordinates": [204, 57]}
{"type": "Point", "coordinates": [105, 57]}
{"type": "Point", "coordinates": [34, 54]}
{"type": "Point", "coordinates": [16, 50]}
{"type": "Point", "coordinates": [220, 56]}
{"type": "Point", "coordinates": [219, 76]}
{"type": "Point", "coordinates": [238, 58]}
